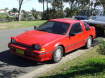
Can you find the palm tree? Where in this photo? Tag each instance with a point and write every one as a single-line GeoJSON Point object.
{"type": "Point", "coordinates": [42, 1]}
{"type": "Point", "coordinates": [48, 1]}
{"type": "Point", "coordinates": [100, 3]}
{"type": "Point", "coordinates": [103, 3]}
{"type": "Point", "coordinates": [71, 2]}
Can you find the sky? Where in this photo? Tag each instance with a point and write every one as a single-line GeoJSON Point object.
{"type": "Point", "coordinates": [27, 4]}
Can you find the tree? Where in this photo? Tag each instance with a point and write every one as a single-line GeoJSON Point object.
{"type": "Point", "coordinates": [57, 7]}
{"type": "Point", "coordinates": [74, 7]}
{"type": "Point", "coordinates": [14, 10]}
{"type": "Point", "coordinates": [34, 13]}
{"type": "Point", "coordinates": [71, 2]}
{"type": "Point", "coordinates": [103, 3]}
{"type": "Point", "coordinates": [100, 3]}
{"type": "Point", "coordinates": [67, 12]}
{"type": "Point", "coordinates": [45, 12]}
{"type": "Point", "coordinates": [6, 9]}
{"type": "Point", "coordinates": [48, 1]}
{"type": "Point", "coordinates": [78, 7]}
{"type": "Point", "coordinates": [20, 5]}
{"type": "Point", "coordinates": [26, 16]}
{"type": "Point", "coordinates": [42, 1]}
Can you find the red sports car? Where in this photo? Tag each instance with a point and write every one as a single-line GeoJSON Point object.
{"type": "Point", "coordinates": [52, 40]}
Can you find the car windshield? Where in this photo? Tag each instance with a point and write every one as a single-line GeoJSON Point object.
{"type": "Point", "coordinates": [54, 27]}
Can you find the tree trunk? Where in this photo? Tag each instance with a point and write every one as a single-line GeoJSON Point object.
{"type": "Point", "coordinates": [19, 12]}
{"type": "Point", "coordinates": [70, 4]}
{"type": "Point", "coordinates": [104, 8]}
{"type": "Point", "coordinates": [43, 10]}
{"type": "Point", "coordinates": [43, 6]}
{"type": "Point", "coordinates": [47, 4]}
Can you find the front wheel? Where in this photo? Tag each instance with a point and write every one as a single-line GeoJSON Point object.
{"type": "Point", "coordinates": [57, 55]}
{"type": "Point", "coordinates": [89, 43]}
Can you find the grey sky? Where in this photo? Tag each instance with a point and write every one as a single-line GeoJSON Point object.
{"type": "Point", "coordinates": [27, 5]}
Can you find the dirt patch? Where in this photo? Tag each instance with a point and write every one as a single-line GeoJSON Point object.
{"type": "Point", "coordinates": [3, 27]}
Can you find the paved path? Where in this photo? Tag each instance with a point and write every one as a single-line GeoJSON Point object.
{"type": "Point", "coordinates": [6, 34]}
{"type": "Point", "coordinates": [10, 65]}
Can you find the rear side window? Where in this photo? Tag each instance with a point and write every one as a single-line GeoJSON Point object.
{"type": "Point", "coordinates": [76, 28]}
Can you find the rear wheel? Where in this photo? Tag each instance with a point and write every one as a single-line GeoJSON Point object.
{"type": "Point", "coordinates": [57, 55]}
{"type": "Point", "coordinates": [89, 42]}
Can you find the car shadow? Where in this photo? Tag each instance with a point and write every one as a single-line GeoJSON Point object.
{"type": "Point", "coordinates": [9, 59]}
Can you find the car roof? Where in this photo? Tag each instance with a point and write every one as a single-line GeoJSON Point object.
{"type": "Point", "coordinates": [65, 20]}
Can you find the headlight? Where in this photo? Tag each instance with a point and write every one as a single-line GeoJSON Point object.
{"type": "Point", "coordinates": [36, 47]}
{"type": "Point", "coordinates": [13, 41]}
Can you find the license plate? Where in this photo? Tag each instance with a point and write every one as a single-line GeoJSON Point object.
{"type": "Point", "coordinates": [19, 51]}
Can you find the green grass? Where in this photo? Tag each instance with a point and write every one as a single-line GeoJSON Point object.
{"type": "Point", "coordinates": [89, 65]}
{"type": "Point", "coordinates": [20, 24]}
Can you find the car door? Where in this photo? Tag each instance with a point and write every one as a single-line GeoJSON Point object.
{"type": "Point", "coordinates": [75, 39]}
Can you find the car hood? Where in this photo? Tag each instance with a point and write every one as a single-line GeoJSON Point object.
{"type": "Point", "coordinates": [37, 37]}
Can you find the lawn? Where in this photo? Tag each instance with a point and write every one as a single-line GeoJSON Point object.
{"type": "Point", "coordinates": [20, 24]}
{"type": "Point", "coordinates": [89, 65]}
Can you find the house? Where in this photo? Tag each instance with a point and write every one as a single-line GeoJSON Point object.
{"type": "Point", "coordinates": [4, 10]}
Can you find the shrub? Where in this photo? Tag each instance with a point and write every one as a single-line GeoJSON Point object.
{"type": "Point", "coordinates": [6, 18]}
{"type": "Point", "coordinates": [3, 15]}
{"type": "Point", "coordinates": [101, 48]}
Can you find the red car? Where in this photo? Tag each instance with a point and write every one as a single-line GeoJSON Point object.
{"type": "Point", "coordinates": [52, 40]}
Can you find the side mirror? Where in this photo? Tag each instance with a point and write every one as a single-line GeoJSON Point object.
{"type": "Point", "coordinates": [87, 28]}
{"type": "Point", "coordinates": [72, 34]}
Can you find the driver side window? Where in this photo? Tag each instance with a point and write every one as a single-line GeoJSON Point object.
{"type": "Point", "coordinates": [76, 28]}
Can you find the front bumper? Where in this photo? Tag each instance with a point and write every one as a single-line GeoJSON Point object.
{"type": "Point", "coordinates": [30, 54]}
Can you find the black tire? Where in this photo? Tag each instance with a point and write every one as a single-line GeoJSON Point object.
{"type": "Point", "coordinates": [88, 43]}
{"type": "Point", "coordinates": [57, 57]}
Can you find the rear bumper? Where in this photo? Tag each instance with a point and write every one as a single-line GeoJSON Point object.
{"type": "Point", "coordinates": [39, 57]}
